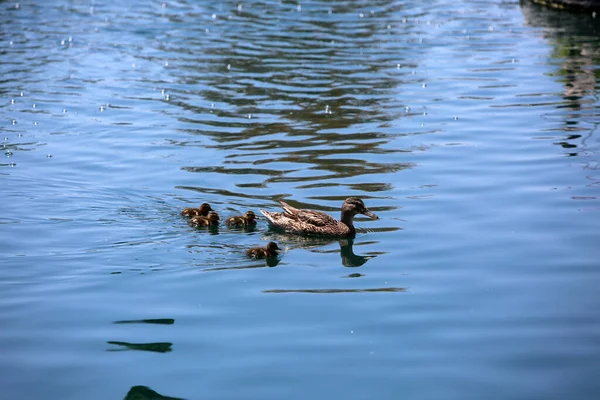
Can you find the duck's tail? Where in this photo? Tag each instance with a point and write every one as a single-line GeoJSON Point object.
{"type": "Point", "coordinates": [268, 215]}
{"type": "Point", "coordinates": [288, 209]}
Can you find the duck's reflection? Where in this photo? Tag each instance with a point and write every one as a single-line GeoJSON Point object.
{"type": "Point", "coordinates": [243, 228]}
{"type": "Point", "coordinates": [349, 258]}
{"type": "Point", "coordinates": [313, 244]}
{"type": "Point", "coordinates": [211, 229]}
{"type": "Point", "coordinates": [354, 275]}
{"type": "Point", "coordinates": [272, 261]}
{"type": "Point", "coordinates": [145, 393]}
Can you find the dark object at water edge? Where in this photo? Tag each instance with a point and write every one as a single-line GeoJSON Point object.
{"type": "Point", "coordinates": [571, 5]}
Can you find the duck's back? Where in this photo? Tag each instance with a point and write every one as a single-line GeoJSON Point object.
{"type": "Point", "coordinates": [190, 212]}
{"type": "Point", "coordinates": [284, 222]}
{"type": "Point", "coordinates": [199, 220]}
{"type": "Point", "coordinates": [235, 220]}
{"type": "Point", "coordinates": [311, 217]}
{"type": "Point", "coordinates": [257, 252]}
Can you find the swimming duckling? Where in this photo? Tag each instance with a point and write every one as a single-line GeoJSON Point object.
{"type": "Point", "coordinates": [312, 222]}
{"type": "Point", "coordinates": [242, 220]}
{"type": "Point", "coordinates": [212, 219]}
{"type": "Point", "coordinates": [262, 252]}
{"type": "Point", "coordinates": [200, 211]}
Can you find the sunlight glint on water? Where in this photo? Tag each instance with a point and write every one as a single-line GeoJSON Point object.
{"type": "Point", "coordinates": [468, 128]}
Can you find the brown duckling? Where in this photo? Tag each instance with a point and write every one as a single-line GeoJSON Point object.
{"type": "Point", "coordinates": [212, 219]}
{"type": "Point", "coordinates": [262, 252]}
{"type": "Point", "coordinates": [242, 220]}
{"type": "Point", "coordinates": [200, 211]}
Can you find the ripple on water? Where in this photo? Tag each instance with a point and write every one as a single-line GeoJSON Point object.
{"type": "Point", "coordinates": [470, 129]}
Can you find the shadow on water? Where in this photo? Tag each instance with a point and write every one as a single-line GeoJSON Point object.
{"type": "Point", "coordinates": [326, 291]}
{"type": "Point", "coordinates": [157, 347]}
{"type": "Point", "coordinates": [160, 321]}
{"type": "Point", "coordinates": [574, 37]}
{"type": "Point", "coordinates": [145, 393]}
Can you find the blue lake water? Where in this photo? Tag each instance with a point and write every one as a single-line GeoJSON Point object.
{"type": "Point", "coordinates": [469, 127]}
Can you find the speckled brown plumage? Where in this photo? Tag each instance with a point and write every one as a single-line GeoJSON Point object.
{"type": "Point", "coordinates": [212, 219]}
{"type": "Point", "coordinates": [312, 222]}
{"type": "Point", "coordinates": [242, 220]}
{"type": "Point", "coordinates": [263, 252]}
{"type": "Point", "coordinates": [202, 211]}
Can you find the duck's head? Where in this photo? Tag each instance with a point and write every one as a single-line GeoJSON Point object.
{"type": "Point", "coordinates": [272, 246]}
{"type": "Point", "coordinates": [205, 208]}
{"type": "Point", "coordinates": [213, 217]}
{"type": "Point", "coordinates": [250, 216]}
{"type": "Point", "coordinates": [354, 205]}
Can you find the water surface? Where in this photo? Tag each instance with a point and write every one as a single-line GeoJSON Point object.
{"type": "Point", "coordinates": [469, 128]}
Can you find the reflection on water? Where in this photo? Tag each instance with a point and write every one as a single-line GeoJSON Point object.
{"type": "Point", "coordinates": [322, 291]}
{"type": "Point", "coordinates": [441, 115]}
{"type": "Point", "coordinates": [280, 121]}
{"type": "Point", "coordinates": [349, 259]}
{"type": "Point", "coordinates": [145, 393]}
{"type": "Point", "coordinates": [268, 262]}
{"type": "Point", "coordinates": [211, 229]}
{"type": "Point", "coordinates": [243, 228]}
{"type": "Point", "coordinates": [272, 261]}
{"type": "Point", "coordinates": [157, 347]}
{"type": "Point", "coordinates": [160, 321]}
{"type": "Point", "coordinates": [309, 243]}
{"type": "Point", "coordinates": [354, 275]}
{"type": "Point", "coordinates": [313, 244]}
{"type": "Point", "coordinates": [576, 60]}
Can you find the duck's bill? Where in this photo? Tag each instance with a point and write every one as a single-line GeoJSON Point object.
{"type": "Point", "coordinates": [370, 214]}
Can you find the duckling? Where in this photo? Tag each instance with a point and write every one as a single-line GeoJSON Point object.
{"type": "Point", "coordinates": [242, 220]}
{"type": "Point", "coordinates": [212, 219]}
{"type": "Point", "coordinates": [312, 222]}
{"type": "Point", "coordinates": [200, 211]}
{"type": "Point", "coordinates": [263, 252]}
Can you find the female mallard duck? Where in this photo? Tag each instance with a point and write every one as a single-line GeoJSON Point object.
{"type": "Point", "coordinates": [317, 223]}
{"type": "Point", "coordinates": [212, 219]}
{"type": "Point", "coordinates": [242, 220]}
{"type": "Point", "coordinates": [201, 211]}
{"type": "Point", "coordinates": [263, 252]}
